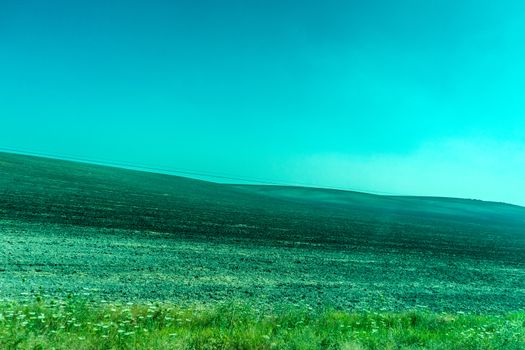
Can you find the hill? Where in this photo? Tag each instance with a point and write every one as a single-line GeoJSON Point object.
{"type": "Point", "coordinates": [67, 224]}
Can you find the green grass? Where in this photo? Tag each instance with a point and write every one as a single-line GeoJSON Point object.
{"type": "Point", "coordinates": [79, 324]}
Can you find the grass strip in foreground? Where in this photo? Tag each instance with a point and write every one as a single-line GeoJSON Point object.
{"type": "Point", "coordinates": [80, 324]}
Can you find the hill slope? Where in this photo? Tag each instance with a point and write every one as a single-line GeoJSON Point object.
{"type": "Point", "coordinates": [46, 190]}
{"type": "Point", "coordinates": [319, 228]}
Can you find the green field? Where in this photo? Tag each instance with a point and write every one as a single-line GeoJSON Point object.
{"type": "Point", "coordinates": [121, 236]}
{"type": "Point", "coordinates": [72, 324]}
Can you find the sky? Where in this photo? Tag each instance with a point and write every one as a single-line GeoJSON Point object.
{"type": "Point", "coordinates": [399, 97]}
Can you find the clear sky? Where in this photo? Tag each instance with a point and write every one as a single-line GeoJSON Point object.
{"type": "Point", "coordinates": [405, 97]}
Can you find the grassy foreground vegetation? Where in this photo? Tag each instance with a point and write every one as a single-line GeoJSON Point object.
{"type": "Point", "coordinates": [80, 324]}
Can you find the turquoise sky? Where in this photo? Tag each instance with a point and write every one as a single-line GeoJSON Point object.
{"type": "Point", "coordinates": [405, 96]}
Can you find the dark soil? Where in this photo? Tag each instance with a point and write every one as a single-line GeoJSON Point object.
{"type": "Point", "coordinates": [123, 234]}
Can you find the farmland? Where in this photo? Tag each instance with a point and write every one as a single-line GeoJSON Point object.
{"type": "Point", "coordinates": [116, 234]}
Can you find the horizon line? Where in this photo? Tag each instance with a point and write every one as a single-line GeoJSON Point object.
{"type": "Point", "coordinates": [206, 176]}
